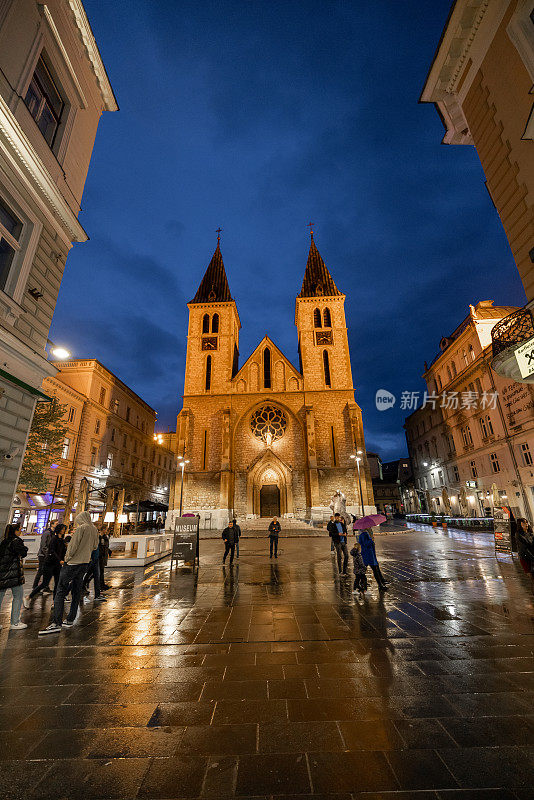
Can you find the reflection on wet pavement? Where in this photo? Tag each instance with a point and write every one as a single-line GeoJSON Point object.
{"type": "Point", "coordinates": [270, 679]}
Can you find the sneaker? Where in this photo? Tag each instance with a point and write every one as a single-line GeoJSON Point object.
{"type": "Point", "coordinates": [100, 598]}
{"type": "Point", "coordinates": [52, 628]}
{"type": "Point", "coordinates": [68, 624]}
{"type": "Point", "coordinates": [18, 627]}
{"type": "Point", "coordinates": [355, 591]}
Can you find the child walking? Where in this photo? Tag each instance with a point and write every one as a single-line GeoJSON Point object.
{"type": "Point", "coordinates": [359, 569]}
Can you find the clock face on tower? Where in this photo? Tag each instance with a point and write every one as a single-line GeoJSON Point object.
{"type": "Point", "coordinates": [323, 337]}
{"type": "Point", "coordinates": [209, 343]}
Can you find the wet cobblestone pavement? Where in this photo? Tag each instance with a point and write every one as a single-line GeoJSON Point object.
{"type": "Point", "coordinates": [270, 680]}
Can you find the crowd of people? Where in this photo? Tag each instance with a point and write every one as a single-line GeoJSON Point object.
{"type": "Point", "coordinates": [71, 556]}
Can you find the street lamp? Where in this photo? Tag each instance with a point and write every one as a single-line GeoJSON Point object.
{"type": "Point", "coordinates": [61, 353]}
{"type": "Point", "coordinates": [358, 457]}
{"type": "Point", "coordinates": [182, 464]}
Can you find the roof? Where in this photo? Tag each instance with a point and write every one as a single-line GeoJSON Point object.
{"type": "Point", "coordinates": [214, 286]}
{"type": "Point", "coordinates": [317, 279]}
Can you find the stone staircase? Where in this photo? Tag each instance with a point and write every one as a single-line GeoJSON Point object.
{"type": "Point", "coordinates": [262, 524]}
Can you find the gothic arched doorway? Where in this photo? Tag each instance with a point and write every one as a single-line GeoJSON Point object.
{"type": "Point", "coordinates": [270, 500]}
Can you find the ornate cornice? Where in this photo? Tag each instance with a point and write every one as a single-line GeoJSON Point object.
{"type": "Point", "coordinates": [27, 163]}
{"type": "Point", "coordinates": [93, 54]}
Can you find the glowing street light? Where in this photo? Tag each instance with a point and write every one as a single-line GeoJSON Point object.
{"type": "Point", "coordinates": [358, 457]}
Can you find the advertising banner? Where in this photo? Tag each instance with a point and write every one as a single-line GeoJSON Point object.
{"type": "Point", "coordinates": [502, 530]}
{"type": "Point", "coordinates": [185, 543]}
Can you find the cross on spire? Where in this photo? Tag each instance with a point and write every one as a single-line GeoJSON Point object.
{"type": "Point", "coordinates": [218, 232]}
{"type": "Point", "coordinates": [310, 226]}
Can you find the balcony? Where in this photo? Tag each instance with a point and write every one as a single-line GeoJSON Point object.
{"type": "Point", "coordinates": [507, 337]}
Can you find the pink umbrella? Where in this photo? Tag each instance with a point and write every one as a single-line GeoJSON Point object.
{"type": "Point", "coordinates": [369, 522]}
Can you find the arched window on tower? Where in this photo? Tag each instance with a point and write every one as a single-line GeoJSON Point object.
{"type": "Point", "coordinates": [317, 318]}
{"type": "Point", "coordinates": [327, 319]}
{"type": "Point", "coordinates": [215, 323]}
{"type": "Point", "coordinates": [326, 365]}
{"type": "Point", "coordinates": [206, 323]}
{"type": "Point", "coordinates": [208, 373]}
{"type": "Point", "coordinates": [266, 368]}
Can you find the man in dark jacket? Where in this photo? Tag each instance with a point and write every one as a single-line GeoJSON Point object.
{"type": "Point", "coordinates": [237, 530]}
{"type": "Point", "coordinates": [42, 553]}
{"type": "Point", "coordinates": [338, 531]}
{"type": "Point", "coordinates": [274, 532]}
{"type": "Point", "coordinates": [229, 538]}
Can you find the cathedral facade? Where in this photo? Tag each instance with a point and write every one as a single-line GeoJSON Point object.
{"type": "Point", "coordinates": [266, 438]}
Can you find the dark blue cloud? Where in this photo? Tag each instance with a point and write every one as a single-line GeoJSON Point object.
{"type": "Point", "coordinates": [259, 117]}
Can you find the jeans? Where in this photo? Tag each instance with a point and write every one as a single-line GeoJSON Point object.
{"type": "Point", "coordinates": [101, 564]}
{"type": "Point", "coordinates": [237, 548]}
{"type": "Point", "coordinates": [93, 571]}
{"type": "Point", "coordinates": [16, 605]}
{"type": "Point", "coordinates": [70, 579]}
{"type": "Point", "coordinates": [49, 571]}
{"type": "Point", "coordinates": [229, 548]}
{"type": "Point", "coordinates": [381, 581]}
{"type": "Point", "coordinates": [341, 547]}
{"type": "Point", "coordinates": [273, 543]}
{"type": "Point", "coordinates": [360, 581]}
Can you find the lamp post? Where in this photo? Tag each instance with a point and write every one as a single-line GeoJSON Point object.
{"type": "Point", "coordinates": [358, 458]}
{"type": "Point", "coordinates": [182, 464]}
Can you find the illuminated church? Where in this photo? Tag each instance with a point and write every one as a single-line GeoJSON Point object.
{"type": "Point", "coordinates": [267, 438]}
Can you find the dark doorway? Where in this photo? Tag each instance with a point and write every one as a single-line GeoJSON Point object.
{"type": "Point", "coordinates": [269, 500]}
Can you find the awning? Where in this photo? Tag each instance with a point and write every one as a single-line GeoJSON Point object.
{"type": "Point", "coordinates": [145, 505]}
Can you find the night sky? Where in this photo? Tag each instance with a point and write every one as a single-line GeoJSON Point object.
{"type": "Point", "coordinates": [259, 117]}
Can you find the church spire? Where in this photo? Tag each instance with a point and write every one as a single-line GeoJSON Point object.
{"type": "Point", "coordinates": [317, 279]}
{"type": "Point", "coordinates": [214, 285]}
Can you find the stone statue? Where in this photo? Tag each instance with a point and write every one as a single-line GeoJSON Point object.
{"type": "Point", "coordinates": [338, 504]}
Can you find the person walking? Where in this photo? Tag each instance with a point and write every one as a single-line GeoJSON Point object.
{"type": "Point", "coordinates": [77, 558]}
{"type": "Point", "coordinates": [93, 572]}
{"type": "Point", "coordinates": [12, 555]}
{"type": "Point", "coordinates": [338, 531]}
{"type": "Point", "coordinates": [103, 555]}
{"type": "Point", "coordinates": [54, 558]}
{"type": "Point", "coordinates": [332, 547]}
{"type": "Point", "coordinates": [525, 545]}
{"type": "Point", "coordinates": [229, 538]}
{"type": "Point", "coordinates": [274, 532]}
{"type": "Point", "coordinates": [237, 530]}
{"type": "Point", "coordinates": [42, 553]}
{"type": "Point", "coordinates": [359, 569]}
{"type": "Point", "coordinates": [369, 557]}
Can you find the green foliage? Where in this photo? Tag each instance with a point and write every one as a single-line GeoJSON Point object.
{"type": "Point", "coordinates": [45, 443]}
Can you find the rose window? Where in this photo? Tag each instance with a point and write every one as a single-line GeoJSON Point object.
{"type": "Point", "coordinates": [268, 424]}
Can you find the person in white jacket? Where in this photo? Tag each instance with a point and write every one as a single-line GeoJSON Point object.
{"type": "Point", "coordinates": [84, 541]}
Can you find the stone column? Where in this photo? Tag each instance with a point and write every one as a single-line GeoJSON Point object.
{"type": "Point", "coordinates": [224, 496]}
{"type": "Point", "coordinates": [312, 457]}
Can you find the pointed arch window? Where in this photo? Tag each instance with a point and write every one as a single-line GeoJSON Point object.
{"type": "Point", "coordinates": [326, 366]}
{"type": "Point", "coordinates": [317, 318]}
{"type": "Point", "coordinates": [327, 319]}
{"type": "Point", "coordinates": [208, 373]}
{"type": "Point", "coordinates": [206, 323]}
{"type": "Point", "coordinates": [215, 323]}
{"type": "Point", "coordinates": [266, 368]}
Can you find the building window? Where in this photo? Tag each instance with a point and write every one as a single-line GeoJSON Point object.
{"type": "Point", "coordinates": [326, 367]}
{"type": "Point", "coordinates": [439, 383]}
{"type": "Point", "coordinates": [205, 450]}
{"type": "Point", "coordinates": [456, 474]}
{"type": "Point", "coordinates": [128, 412]}
{"type": "Point", "coordinates": [215, 323]}
{"type": "Point", "coordinates": [97, 426]}
{"type": "Point", "coordinates": [124, 441]}
{"type": "Point", "coordinates": [135, 445]}
{"type": "Point", "coordinates": [495, 462]}
{"type": "Point", "coordinates": [334, 453]}
{"type": "Point", "coordinates": [10, 233]}
{"type": "Point", "coordinates": [206, 323]}
{"type": "Point", "coordinates": [527, 455]}
{"type": "Point", "coordinates": [113, 434]}
{"type": "Point", "coordinates": [102, 397]}
{"type": "Point", "coordinates": [474, 472]}
{"type": "Point", "coordinates": [317, 323]}
{"type": "Point", "coordinates": [327, 319]}
{"type": "Point", "coordinates": [59, 483]}
{"type": "Point", "coordinates": [109, 462]}
{"type": "Point", "coordinates": [486, 428]}
{"type": "Point", "coordinates": [267, 368]}
{"type": "Point", "coordinates": [72, 414]}
{"type": "Point", "coordinates": [453, 367]}
{"type": "Point", "coordinates": [449, 374]}
{"type": "Point", "coordinates": [466, 436]}
{"type": "Point", "coordinates": [440, 476]}
{"type": "Point", "coordinates": [65, 448]}
{"type": "Point", "coordinates": [208, 373]}
{"type": "Point", "coordinates": [44, 101]}
{"type": "Point", "coordinates": [93, 456]}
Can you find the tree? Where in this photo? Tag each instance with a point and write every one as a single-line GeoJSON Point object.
{"type": "Point", "coordinates": [44, 447]}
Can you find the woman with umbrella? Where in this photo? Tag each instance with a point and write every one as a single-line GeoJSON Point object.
{"type": "Point", "coordinates": [367, 544]}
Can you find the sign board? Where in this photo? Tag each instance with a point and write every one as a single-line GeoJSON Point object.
{"type": "Point", "coordinates": [524, 355]}
{"type": "Point", "coordinates": [518, 402]}
{"type": "Point", "coordinates": [185, 542]}
{"type": "Point", "coordinates": [502, 530]}
{"type": "Point", "coordinates": [471, 484]}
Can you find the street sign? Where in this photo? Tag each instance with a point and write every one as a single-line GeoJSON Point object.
{"type": "Point", "coordinates": [185, 541]}
{"type": "Point", "coordinates": [502, 530]}
{"type": "Point", "coordinates": [524, 356]}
